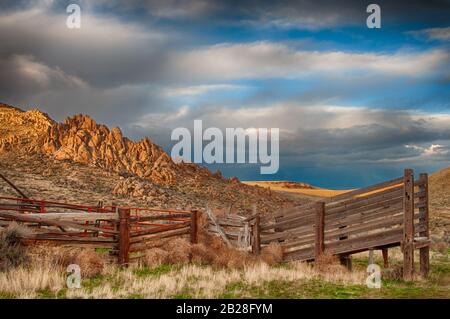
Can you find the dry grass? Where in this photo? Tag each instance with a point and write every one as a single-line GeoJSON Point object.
{"type": "Point", "coordinates": [272, 254]}
{"type": "Point", "coordinates": [319, 192]}
{"type": "Point", "coordinates": [328, 264]}
{"type": "Point", "coordinates": [90, 262]}
{"type": "Point", "coordinates": [210, 251]}
{"type": "Point", "coordinates": [26, 282]}
{"type": "Point", "coordinates": [204, 282]}
{"type": "Point", "coordinates": [12, 253]}
{"type": "Point", "coordinates": [154, 257]}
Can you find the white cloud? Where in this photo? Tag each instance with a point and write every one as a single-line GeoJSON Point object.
{"type": "Point", "coordinates": [105, 51]}
{"type": "Point", "coordinates": [200, 89]}
{"type": "Point", "coordinates": [440, 34]}
{"type": "Point", "coordinates": [271, 60]}
{"type": "Point", "coordinates": [42, 75]}
{"type": "Point", "coordinates": [433, 149]}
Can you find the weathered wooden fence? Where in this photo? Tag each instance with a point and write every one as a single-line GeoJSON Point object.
{"type": "Point", "coordinates": [123, 230]}
{"type": "Point", "coordinates": [393, 213]}
{"type": "Point", "coordinates": [234, 230]}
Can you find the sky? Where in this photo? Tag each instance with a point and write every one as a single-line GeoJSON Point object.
{"type": "Point", "coordinates": [354, 105]}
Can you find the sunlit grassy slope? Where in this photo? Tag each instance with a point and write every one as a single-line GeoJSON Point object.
{"type": "Point", "coordinates": [309, 190]}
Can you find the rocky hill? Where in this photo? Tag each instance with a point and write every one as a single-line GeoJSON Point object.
{"type": "Point", "coordinates": [439, 190]}
{"type": "Point", "coordinates": [80, 154]}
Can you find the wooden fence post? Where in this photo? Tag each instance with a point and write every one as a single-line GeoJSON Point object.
{"type": "Point", "coordinates": [194, 227]}
{"type": "Point", "coordinates": [385, 253]}
{"type": "Point", "coordinates": [408, 225]}
{"type": "Point", "coordinates": [424, 221]}
{"type": "Point", "coordinates": [256, 235]}
{"type": "Point", "coordinates": [319, 229]}
{"type": "Point", "coordinates": [124, 237]}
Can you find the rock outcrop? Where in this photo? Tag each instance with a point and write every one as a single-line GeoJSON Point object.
{"type": "Point", "coordinates": [82, 140]}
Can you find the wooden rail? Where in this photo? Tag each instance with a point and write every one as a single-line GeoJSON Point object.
{"type": "Point", "coordinates": [123, 230]}
{"type": "Point", "coordinates": [389, 214]}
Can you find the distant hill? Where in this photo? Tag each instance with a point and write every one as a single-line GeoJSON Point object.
{"type": "Point", "coordinates": [439, 187]}
{"type": "Point", "coordinates": [299, 189]}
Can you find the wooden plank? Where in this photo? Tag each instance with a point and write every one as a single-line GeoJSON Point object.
{"type": "Point", "coordinates": [288, 234]}
{"type": "Point", "coordinates": [364, 215]}
{"type": "Point", "coordinates": [286, 212]}
{"type": "Point", "coordinates": [65, 224]}
{"type": "Point", "coordinates": [71, 243]}
{"type": "Point", "coordinates": [369, 201]}
{"type": "Point", "coordinates": [230, 233]}
{"type": "Point", "coordinates": [160, 217]}
{"type": "Point", "coordinates": [11, 184]}
{"type": "Point", "coordinates": [75, 217]}
{"type": "Point", "coordinates": [301, 254]}
{"type": "Point", "coordinates": [424, 220]}
{"type": "Point", "coordinates": [256, 236]}
{"type": "Point", "coordinates": [366, 189]}
{"type": "Point", "coordinates": [300, 212]}
{"type": "Point", "coordinates": [219, 229]}
{"type": "Point", "coordinates": [297, 224]}
{"type": "Point", "coordinates": [124, 237]}
{"type": "Point", "coordinates": [75, 239]}
{"type": "Point", "coordinates": [422, 244]}
{"type": "Point", "coordinates": [143, 242]}
{"type": "Point", "coordinates": [364, 227]}
{"type": "Point", "coordinates": [373, 198]}
{"type": "Point", "coordinates": [289, 224]}
{"type": "Point", "coordinates": [363, 239]}
{"type": "Point", "coordinates": [385, 252]}
{"type": "Point", "coordinates": [319, 228]}
{"type": "Point", "coordinates": [163, 234]}
{"type": "Point", "coordinates": [420, 193]}
{"type": "Point", "coordinates": [350, 246]}
{"type": "Point", "coordinates": [408, 228]}
{"type": "Point", "coordinates": [306, 240]}
{"type": "Point", "coordinates": [157, 229]}
{"type": "Point", "coordinates": [194, 227]}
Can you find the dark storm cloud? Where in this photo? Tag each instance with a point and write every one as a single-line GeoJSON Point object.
{"type": "Point", "coordinates": [313, 14]}
{"type": "Point", "coordinates": [104, 52]}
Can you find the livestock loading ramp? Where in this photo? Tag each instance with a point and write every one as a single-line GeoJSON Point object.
{"type": "Point", "coordinates": [389, 214]}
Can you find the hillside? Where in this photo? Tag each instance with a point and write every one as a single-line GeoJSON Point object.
{"type": "Point", "coordinates": [83, 161]}
{"type": "Point", "coordinates": [439, 188]}
{"type": "Point", "coordinates": [439, 184]}
{"type": "Point", "coordinates": [297, 189]}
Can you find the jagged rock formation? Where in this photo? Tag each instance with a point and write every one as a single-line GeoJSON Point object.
{"type": "Point", "coordinates": [82, 140]}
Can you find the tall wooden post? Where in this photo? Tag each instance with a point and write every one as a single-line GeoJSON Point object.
{"type": "Point", "coordinates": [194, 226]}
{"type": "Point", "coordinates": [124, 237]}
{"type": "Point", "coordinates": [423, 221]}
{"type": "Point", "coordinates": [408, 225]}
{"type": "Point", "coordinates": [256, 235]}
{"type": "Point", "coordinates": [370, 260]}
{"type": "Point", "coordinates": [385, 252]}
{"type": "Point", "coordinates": [320, 230]}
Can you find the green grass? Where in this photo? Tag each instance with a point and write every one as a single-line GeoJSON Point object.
{"type": "Point", "coordinates": [156, 271]}
{"type": "Point", "coordinates": [48, 294]}
{"type": "Point", "coordinates": [436, 286]}
{"type": "Point", "coordinates": [93, 282]}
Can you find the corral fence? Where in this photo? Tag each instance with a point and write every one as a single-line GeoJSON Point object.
{"type": "Point", "coordinates": [381, 216]}
{"type": "Point", "coordinates": [122, 230]}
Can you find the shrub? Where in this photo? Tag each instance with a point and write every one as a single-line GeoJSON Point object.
{"type": "Point", "coordinates": [12, 252]}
